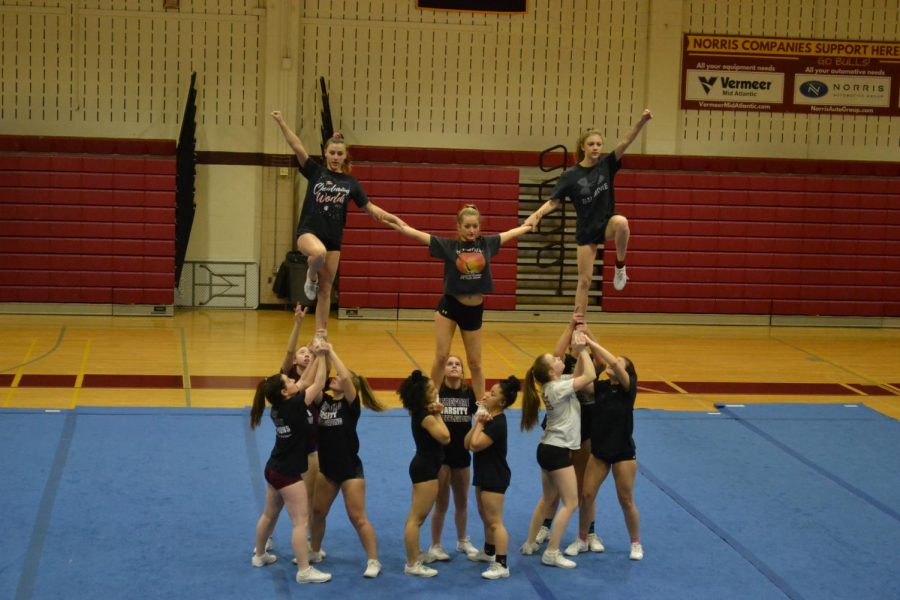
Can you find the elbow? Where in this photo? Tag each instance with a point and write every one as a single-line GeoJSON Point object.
{"type": "Point", "coordinates": [444, 438]}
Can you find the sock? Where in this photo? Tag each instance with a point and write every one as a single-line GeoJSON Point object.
{"type": "Point", "coordinates": [620, 263]}
{"type": "Point", "coordinates": [635, 540]}
{"type": "Point", "coordinates": [548, 523]}
{"type": "Point", "coordinates": [582, 536]}
{"type": "Point", "coordinates": [490, 549]}
{"type": "Point", "coordinates": [501, 558]}
{"type": "Point", "coordinates": [591, 528]}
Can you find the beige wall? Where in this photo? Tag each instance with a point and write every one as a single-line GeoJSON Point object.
{"type": "Point", "coordinates": [400, 76]}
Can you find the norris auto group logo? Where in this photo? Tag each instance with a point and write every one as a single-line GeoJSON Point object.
{"type": "Point", "coordinates": [813, 89]}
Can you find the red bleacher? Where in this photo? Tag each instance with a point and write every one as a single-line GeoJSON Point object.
{"type": "Point", "coordinates": [381, 268]}
{"type": "Point", "coordinates": [87, 220]}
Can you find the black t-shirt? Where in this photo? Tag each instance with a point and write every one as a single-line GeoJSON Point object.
{"type": "Point", "coordinates": [459, 406]}
{"type": "Point", "coordinates": [338, 440]}
{"type": "Point", "coordinates": [427, 447]}
{"type": "Point", "coordinates": [590, 190]}
{"type": "Point", "coordinates": [467, 265]}
{"type": "Point", "coordinates": [491, 468]}
{"type": "Point", "coordinates": [289, 416]}
{"type": "Point", "coordinates": [613, 426]}
{"type": "Point", "coordinates": [325, 204]}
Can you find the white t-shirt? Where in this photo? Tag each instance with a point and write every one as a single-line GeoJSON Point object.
{"type": "Point", "coordinates": [563, 414]}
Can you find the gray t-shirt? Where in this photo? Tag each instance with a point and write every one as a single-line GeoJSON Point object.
{"type": "Point", "coordinates": [467, 265]}
{"type": "Point", "coordinates": [563, 414]}
{"type": "Point", "coordinates": [590, 190]}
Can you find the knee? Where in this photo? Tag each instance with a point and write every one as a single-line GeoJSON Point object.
{"type": "Point", "coordinates": [474, 363]}
{"type": "Point", "coordinates": [626, 502]}
{"type": "Point", "coordinates": [319, 513]}
{"type": "Point", "coordinates": [359, 521]}
{"type": "Point", "coordinates": [621, 225]}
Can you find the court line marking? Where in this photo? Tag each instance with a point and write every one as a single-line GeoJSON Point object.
{"type": "Point", "coordinates": [403, 350]}
{"type": "Point", "coordinates": [35, 550]}
{"type": "Point", "coordinates": [812, 465]}
{"type": "Point", "coordinates": [496, 351]}
{"type": "Point", "coordinates": [54, 348]}
{"type": "Point", "coordinates": [743, 551]}
{"type": "Point", "coordinates": [279, 581]}
{"type": "Point", "coordinates": [853, 389]}
{"type": "Point", "coordinates": [534, 579]}
{"type": "Point", "coordinates": [185, 373]}
{"type": "Point", "coordinates": [826, 360]}
{"type": "Point", "coordinates": [516, 346]}
{"type": "Point", "coordinates": [680, 389]}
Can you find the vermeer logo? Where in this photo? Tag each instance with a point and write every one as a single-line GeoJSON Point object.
{"type": "Point", "coordinates": [813, 89]}
{"type": "Point", "coordinates": [707, 83]}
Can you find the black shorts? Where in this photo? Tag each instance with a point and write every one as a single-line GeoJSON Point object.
{"type": "Point", "coordinates": [340, 474]}
{"type": "Point", "coordinates": [330, 244]}
{"type": "Point", "coordinates": [493, 488]}
{"type": "Point", "coordinates": [615, 458]}
{"type": "Point", "coordinates": [457, 457]}
{"type": "Point", "coordinates": [468, 318]}
{"type": "Point", "coordinates": [278, 480]}
{"type": "Point", "coordinates": [423, 469]}
{"type": "Point", "coordinates": [597, 233]}
{"type": "Point", "coordinates": [553, 458]}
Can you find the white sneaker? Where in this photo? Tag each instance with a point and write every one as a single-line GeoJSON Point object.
{"type": "Point", "coordinates": [637, 551]}
{"type": "Point", "coordinates": [554, 558]}
{"type": "Point", "coordinates": [373, 568]}
{"type": "Point", "coordinates": [419, 570]}
{"type": "Point", "coordinates": [576, 547]}
{"type": "Point", "coordinates": [310, 288]}
{"type": "Point", "coordinates": [620, 279]}
{"type": "Point", "coordinates": [312, 575]}
{"type": "Point", "coordinates": [466, 546]}
{"type": "Point", "coordinates": [262, 560]}
{"type": "Point", "coordinates": [529, 549]}
{"type": "Point", "coordinates": [496, 571]}
{"type": "Point", "coordinates": [436, 552]}
{"type": "Point", "coordinates": [316, 557]}
{"type": "Point", "coordinates": [542, 535]}
{"type": "Point", "coordinates": [595, 543]}
{"type": "Point", "coordinates": [480, 556]}
{"type": "Point", "coordinates": [269, 543]}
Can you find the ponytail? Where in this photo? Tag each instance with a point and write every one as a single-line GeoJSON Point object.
{"type": "Point", "coordinates": [538, 374]}
{"type": "Point", "coordinates": [365, 394]}
{"type": "Point", "coordinates": [267, 389]}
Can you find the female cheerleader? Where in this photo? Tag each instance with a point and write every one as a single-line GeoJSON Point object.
{"type": "Point", "coordinates": [430, 434]}
{"type": "Point", "coordinates": [561, 436]}
{"type": "Point", "coordinates": [286, 464]}
{"type": "Point", "coordinates": [488, 441]}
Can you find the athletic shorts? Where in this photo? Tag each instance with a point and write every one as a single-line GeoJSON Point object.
{"type": "Point", "coordinates": [615, 458]}
{"type": "Point", "coordinates": [457, 457]}
{"type": "Point", "coordinates": [553, 458]}
{"type": "Point", "coordinates": [467, 317]}
{"type": "Point", "coordinates": [278, 480]}
{"type": "Point", "coordinates": [493, 488]}
{"type": "Point", "coordinates": [330, 244]}
{"type": "Point", "coordinates": [339, 475]}
{"type": "Point", "coordinates": [422, 469]}
{"type": "Point", "coordinates": [597, 234]}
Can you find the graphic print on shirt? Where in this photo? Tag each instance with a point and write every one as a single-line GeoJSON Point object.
{"type": "Point", "coordinates": [281, 430]}
{"type": "Point", "coordinates": [470, 262]}
{"type": "Point", "coordinates": [589, 190]}
{"type": "Point", "coordinates": [330, 197]}
{"type": "Point", "coordinates": [328, 414]}
{"type": "Point", "coordinates": [456, 409]}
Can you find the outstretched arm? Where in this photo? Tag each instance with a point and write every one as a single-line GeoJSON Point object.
{"type": "Point", "coordinates": [291, 138]}
{"type": "Point", "coordinates": [515, 232]}
{"type": "Point", "coordinates": [381, 215]}
{"type": "Point", "coordinates": [562, 344]}
{"type": "Point", "coordinates": [314, 391]}
{"type": "Point", "coordinates": [412, 232]}
{"type": "Point", "coordinates": [299, 313]}
{"type": "Point", "coordinates": [632, 135]}
{"type": "Point", "coordinates": [588, 374]}
{"type": "Point", "coordinates": [608, 358]}
{"type": "Point", "coordinates": [546, 208]}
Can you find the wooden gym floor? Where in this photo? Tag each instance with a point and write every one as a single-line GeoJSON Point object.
{"type": "Point", "coordinates": [212, 358]}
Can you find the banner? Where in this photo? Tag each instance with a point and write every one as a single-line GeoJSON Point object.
{"type": "Point", "coordinates": [736, 73]}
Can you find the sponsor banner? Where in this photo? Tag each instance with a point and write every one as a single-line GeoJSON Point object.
{"type": "Point", "coordinates": [736, 73]}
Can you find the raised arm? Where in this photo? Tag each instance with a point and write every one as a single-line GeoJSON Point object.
{"type": "Point", "coordinates": [381, 215]}
{"type": "Point", "coordinates": [344, 374]}
{"type": "Point", "coordinates": [412, 232]}
{"type": "Point", "coordinates": [476, 439]}
{"type": "Point", "coordinates": [546, 208]}
{"type": "Point", "coordinates": [299, 313]}
{"type": "Point", "coordinates": [585, 365]}
{"type": "Point", "coordinates": [515, 232]}
{"type": "Point", "coordinates": [314, 391]}
{"type": "Point", "coordinates": [632, 135]}
{"type": "Point", "coordinates": [610, 359]}
{"type": "Point", "coordinates": [562, 344]}
{"type": "Point", "coordinates": [291, 138]}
